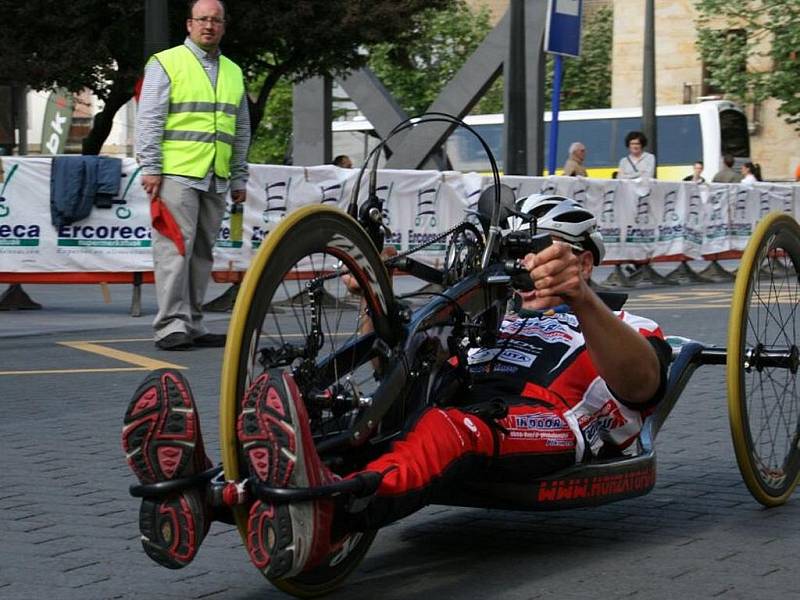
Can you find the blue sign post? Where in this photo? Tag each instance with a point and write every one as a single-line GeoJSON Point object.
{"type": "Point", "coordinates": [562, 38]}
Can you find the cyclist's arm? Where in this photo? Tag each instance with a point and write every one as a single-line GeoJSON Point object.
{"type": "Point", "coordinates": [623, 357]}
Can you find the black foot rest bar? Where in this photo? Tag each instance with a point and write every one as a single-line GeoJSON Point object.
{"type": "Point", "coordinates": [164, 488]}
{"type": "Point", "coordinates": [363, 484]}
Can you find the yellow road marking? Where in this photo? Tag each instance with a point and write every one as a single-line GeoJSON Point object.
{"type": "Point", "coordinates": [120, 355]}
{"type": "Point", "coordinates": [65, 371]}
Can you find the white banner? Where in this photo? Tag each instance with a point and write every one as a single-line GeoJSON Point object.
{"type": "Point", "coordinates": [639, 220]}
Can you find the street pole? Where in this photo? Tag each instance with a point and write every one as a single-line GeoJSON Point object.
{"type": "Point", "coordinates": [22, 118]}
{"type": "Point", "coordinates": [555, 105]}
{"type": "Point", "coordinates": [156, 27]}
{"type": "Point", "coordinates": [516, 125]}
{"type": "Point", "coordinates": [649, 80]}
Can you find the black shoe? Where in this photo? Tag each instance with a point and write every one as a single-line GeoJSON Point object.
{"type": "Point", "coordinates": [210, 340]}
{"type": "Point", "coordinates": [175, 341]}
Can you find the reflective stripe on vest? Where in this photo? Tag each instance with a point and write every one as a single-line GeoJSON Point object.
{"type": "Point", "coordinates": [201, 123]}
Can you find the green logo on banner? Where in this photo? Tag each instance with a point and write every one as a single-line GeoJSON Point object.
{"type": "Point", "coordinates": [57, 121]}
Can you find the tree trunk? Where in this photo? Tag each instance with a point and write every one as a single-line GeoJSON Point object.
{"type": "Point", "coordinates": [258, 106]}
{"type": "Point", "coordinates": [121, 92]}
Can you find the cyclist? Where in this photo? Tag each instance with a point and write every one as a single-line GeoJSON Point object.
{"type": "Point", "coordinates": [567, 379]}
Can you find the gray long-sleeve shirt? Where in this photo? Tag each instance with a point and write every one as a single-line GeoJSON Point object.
{"type": "Point", "coordinates": [633, 169]}
{"type": "Point", "coordinates": [152, 117]}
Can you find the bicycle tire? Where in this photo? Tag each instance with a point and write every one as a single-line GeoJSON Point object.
{"type": "Point", "coordinates": [763, 402]}
{"type": "Point", "coordinates": [310, 248]}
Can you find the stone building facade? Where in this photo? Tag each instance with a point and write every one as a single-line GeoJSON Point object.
{"type": "Point", "coordinates": [679, 74]}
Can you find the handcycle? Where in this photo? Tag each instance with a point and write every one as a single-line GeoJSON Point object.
{"type": "Point", "coordinates": [365, 364]}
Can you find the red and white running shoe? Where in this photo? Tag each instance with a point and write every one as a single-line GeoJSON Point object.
{"type": "Point", "coordinates": [283, 540]}
{"type": "Point", "coordinates": [162, 441]}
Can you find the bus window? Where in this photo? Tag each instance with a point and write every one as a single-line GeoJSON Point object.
{"type": "Point", "coordinates": [679, 140]}
{"type": "Point", "coordinates": [595, 134]}
{"type": "Point", "coordinates": [619, 129]}
{"type": "Point", "coordinates": [735, 139]}
{"type": "Point", "coordinates": [466, 153]}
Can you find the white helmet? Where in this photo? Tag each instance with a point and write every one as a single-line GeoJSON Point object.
{"type": "Point", "coordinates": [564, 218]}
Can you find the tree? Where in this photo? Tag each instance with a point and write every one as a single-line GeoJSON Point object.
{"type": "Point", "coordinates": [416, 66]}
{"type": "Point", "coordinates": [750, 49]}
{"type": "Point", "coordinates": [82, 44]}
{"type": "Point", "coordinates": [271, 140]}
{"type": "Point", "coordinates": [99, 44]}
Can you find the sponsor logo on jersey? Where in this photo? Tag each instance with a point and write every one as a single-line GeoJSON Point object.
{"type": "Point", "coordinates": [608, 418]}
{"type": "Point", "coordinates": [471, 426]}
{"type": "Point", "coordinates": [538, 421]}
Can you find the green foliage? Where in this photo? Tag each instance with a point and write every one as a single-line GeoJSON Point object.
{"type": "Point", "coordinates": [586, 80]}
{"type": "Point", "coordinates": [99, 44]}
{"type": "Point", "coordinates": [416, 66]}
{"type": "Point", "coordinates": [414, 69]}
{"type": "Point", "coordinates": [271, 139]}
{"type": "Point", "coordinates": [760, 63]}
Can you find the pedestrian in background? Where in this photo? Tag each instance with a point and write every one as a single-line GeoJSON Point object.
{"type": "Point", "coordinates": [727, 174]}
{"type": "Point", "coordinates": [751, 173]}
{"type": "Point", "coordinates": [192, 136]}
{"type": "Point", "coordinates": [697, 173]}
{"type": "Point", "coordinates": [574, 166]}
{"type": "Point", "coordinates": [343, 161]}
{"type": "Point", "coordinates": [638, 163]}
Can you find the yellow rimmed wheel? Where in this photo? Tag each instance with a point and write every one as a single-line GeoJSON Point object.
{"type": "Point", "coordinates": [763, 359]}
{"type": "Point", "coordinates": [294, 311]}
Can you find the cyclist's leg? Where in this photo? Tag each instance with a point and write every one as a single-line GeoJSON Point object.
{"type": "Point", "coordinates": [445, 446]}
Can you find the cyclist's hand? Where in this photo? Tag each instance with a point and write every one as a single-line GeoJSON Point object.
{"type": "Point", "coordinates": [560, 276]}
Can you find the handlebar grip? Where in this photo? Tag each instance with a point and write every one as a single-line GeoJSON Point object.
{"type": "Point", "coordinates": [519, 243]}
{"type": "Point", "coordinates": [520, 277]}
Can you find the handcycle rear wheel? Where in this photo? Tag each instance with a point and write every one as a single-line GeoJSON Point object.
{"type": "Point", "coordinates": [762, 361]}
{"type": "Point", "coordinates": [294, 311]}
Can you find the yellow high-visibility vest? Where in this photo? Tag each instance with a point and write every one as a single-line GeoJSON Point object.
{"type": "Point", "coordinates": [201, 123]}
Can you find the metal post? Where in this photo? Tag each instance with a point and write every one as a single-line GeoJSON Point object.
{"type": "Point", "coordinates": [555, 104]}
{"type": "Point", "coordinates": [156, 27]}
{"type": "Point", "coordinates": [311, 122]}
{"type": "Point", "coordinates": [516, 125]}
{"type": "Point", "coordinates": [21, 117]}
{"type": "Point", "coordinates": [649, 80]}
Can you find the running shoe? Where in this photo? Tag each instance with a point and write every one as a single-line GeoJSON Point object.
{"type": "Point", "coordinates": [273, 429]}
{"type": "Point", "coordinates": [162, 441]}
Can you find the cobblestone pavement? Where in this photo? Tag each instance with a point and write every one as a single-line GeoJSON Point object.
{"type": "Point", "coordinates": [68, 528]}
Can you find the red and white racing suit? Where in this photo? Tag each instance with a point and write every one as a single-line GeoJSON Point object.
{"type": "Point", "coordinates": [535, 404]}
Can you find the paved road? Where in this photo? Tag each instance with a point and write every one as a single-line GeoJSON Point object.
{"type": "Point", "coordinates": [68, 527]}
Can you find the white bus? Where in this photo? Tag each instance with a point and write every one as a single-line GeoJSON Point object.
{"type": "Point", "coordinates": [686, 133]}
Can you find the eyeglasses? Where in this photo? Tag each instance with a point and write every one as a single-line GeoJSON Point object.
{"type": "Point", "coordinates": [216, 21]}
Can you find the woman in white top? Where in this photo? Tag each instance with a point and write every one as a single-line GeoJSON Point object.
{"type": "Point", "coordinates": [638, 163]}
{"type": "Point", "coordinates": [750, 173]}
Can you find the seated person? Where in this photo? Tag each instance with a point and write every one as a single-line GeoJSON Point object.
{"type": "Point", "coordinates": [567, 379]}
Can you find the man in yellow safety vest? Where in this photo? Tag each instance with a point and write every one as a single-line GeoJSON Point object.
{"type": "Point", "coordinates": [192, 136]}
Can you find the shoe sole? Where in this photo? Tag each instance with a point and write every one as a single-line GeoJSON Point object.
{"type": "Point", "coordinates": [160, 429]}
{"type": "Point", "coordinates": [172, 529]}
{"type": "Point", "coordinates": [160, 436]}
{"type": "Point", "coordinates": [267, 431]}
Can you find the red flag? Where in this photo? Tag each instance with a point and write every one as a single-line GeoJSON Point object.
{"type": "Point", "coordinates": [165, 223]}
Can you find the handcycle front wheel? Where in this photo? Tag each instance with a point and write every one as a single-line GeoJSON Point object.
{"type": "Point", "coordinates": [295, 311]}
{"type": "Point", "coordinates": [763, 360]}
